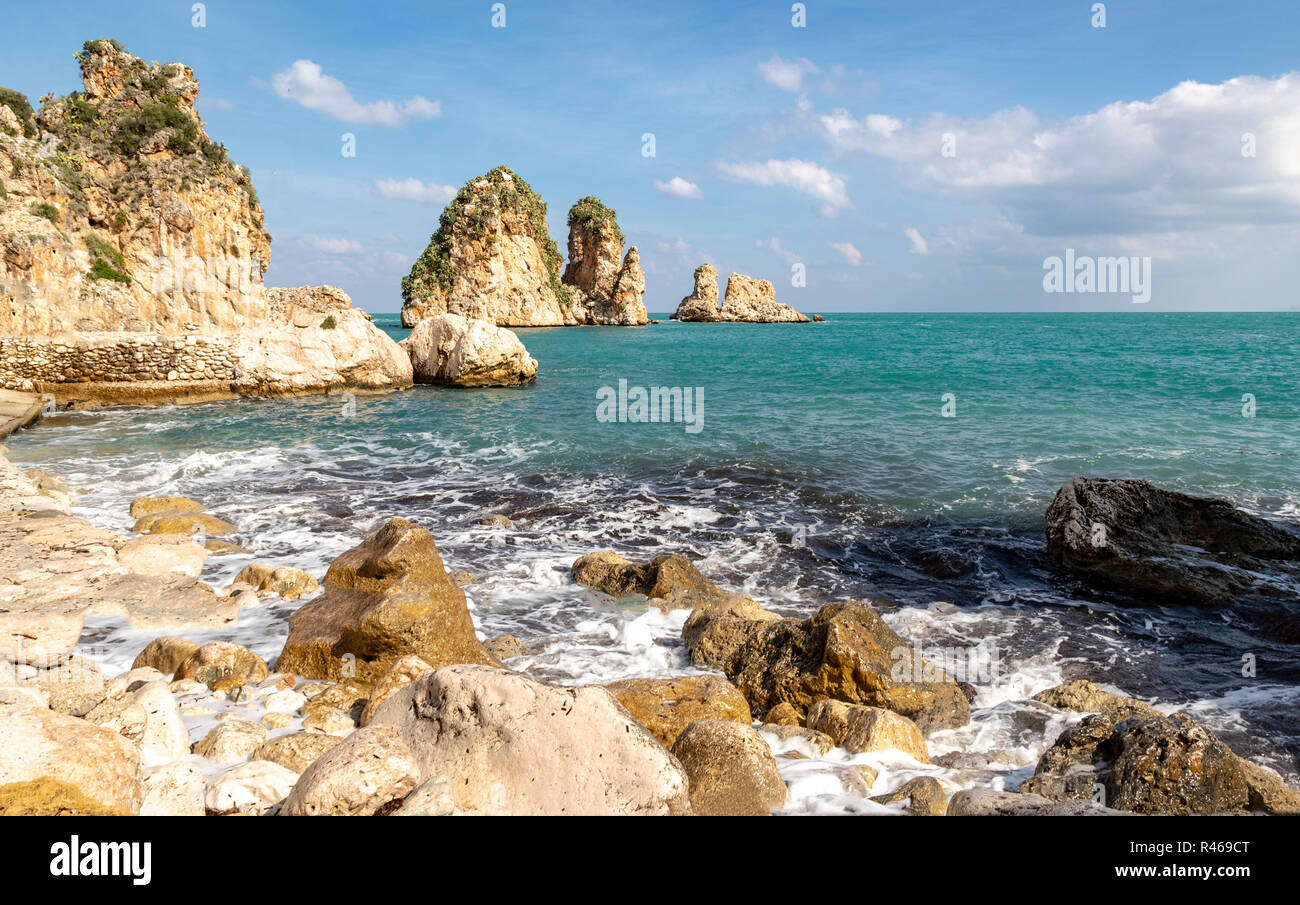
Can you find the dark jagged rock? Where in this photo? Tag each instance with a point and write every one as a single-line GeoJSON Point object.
{"type": "Point", "coordinates": [1154, 543]}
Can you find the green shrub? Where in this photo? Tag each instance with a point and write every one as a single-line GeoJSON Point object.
{"type": "Point", "coordinates": [101, 271]}
{"type": "Point", "coordinates": [591, 213]}
{"type": "Point", "coordinates": [17, 102]}
{"type": "Point", "coordinates": [329, 323]}
{"type": "Point", "coordinates": [46, 210]}
{"type": "Point", "coordinates": [107, 261]}
{"type": "Point", "coordinates": [135, 128]}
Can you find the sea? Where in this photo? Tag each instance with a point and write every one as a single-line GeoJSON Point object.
{"type": "Point", "coordinates": [905, 459]}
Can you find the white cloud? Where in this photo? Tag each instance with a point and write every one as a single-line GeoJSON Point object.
{"type": "Point", "coordinates": [334, 246]}
{"type": "Point", "coordinates": [306, 84]}
{"type": "Point", "coordinates": [216, 103]}
{"type": "Point", "coordinates": [919, 245]}
{"type": "Point", "coordinates": [677, 187]}
{"type": "Point", "coordinates": [848, 253]}
{"type": "Point", "coordinates": [1173, 163]}
{"type": "Point", "coordinates": [774, 245]}
{"type": "Point", "coordinates": [788, 75]}
{"type": "Point", "coordinates": [800, 175]}
{"type": "Point", "coordinates": [411, 189]}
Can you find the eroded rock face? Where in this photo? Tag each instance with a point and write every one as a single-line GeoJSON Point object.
{"type": "Point", "coordinates": [492, 259]}
{"type": "Point", "coordinates": [844, 652]}
{"type": "Point", "coordinates": [509, 744]}
{"type": "Point", "coordinates": [1082, 696]}
{"type": "Point", "coordinates": [1163, 545]}
{"type": "Point", "coordinates": [732, 771]}
{"type": "Point", "coordinates": [607, 292]}
{"type": "Point", "coordinates": [747, 300]}
{"type": "Point", "coordinates": [1149, 763]}
{"type": "Point", "coordinates": [457, 351]}
{"type": "Point", "coordinates": [386, 597]}
{"type": "Point", "coordinates": [132, 255]}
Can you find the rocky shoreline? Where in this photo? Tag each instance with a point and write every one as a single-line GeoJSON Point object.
{"type": "Point", "coordinates": [385, 699]}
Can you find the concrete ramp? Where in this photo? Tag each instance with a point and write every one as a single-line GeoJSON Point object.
{"type": "Point", "coordinates": [18, 410]}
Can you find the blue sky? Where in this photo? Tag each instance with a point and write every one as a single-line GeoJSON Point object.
{"type": "Point", "coordinates": [821, 146]}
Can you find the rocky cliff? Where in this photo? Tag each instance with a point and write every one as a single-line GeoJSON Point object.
{"type": "Point", "coordinates": [747, 300]}
{"type": "Point", "coordinates": [132, 252]}
{"type": "Point", "coordinates": [493, 259]}
{"type": "Point", "coordinates": [604, 292]}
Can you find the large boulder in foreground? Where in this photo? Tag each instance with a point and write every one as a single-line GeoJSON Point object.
{"type": "Point", "coordinates": [1150, 763]}
{"type": "Point", "coordinates": [457, 351]}
{"type": "Point", "coordinates": [509, 744]}
{"type": "Point", "coordinates": [355, 778]}
{"type": "Point", "coordinates": [732, 771]}
{"type": "Point", "coordinates": [97, 762]}
{"type": "Point", "coordinates": [669, 582]}
{"type": "Point", "coordinates": [386, 597]}
{"type": "Point", "coordinates": [1167, 546]}
{"type": "Point", "coordinates": [844, 652]}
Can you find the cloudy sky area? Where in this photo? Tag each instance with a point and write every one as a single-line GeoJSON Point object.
{"type": "Point", "coordinates": [774, 146]}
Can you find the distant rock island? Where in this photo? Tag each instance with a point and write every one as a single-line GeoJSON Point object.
{"type": "Point", "coordinates": [132, 252]}
{"type": "Point", "coordinates": [747, 301]}
{"type": "Point", "coordinates": [493, 259]}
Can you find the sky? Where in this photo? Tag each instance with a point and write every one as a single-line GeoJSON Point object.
{"type": "Point", "coordinates": [870, 156]}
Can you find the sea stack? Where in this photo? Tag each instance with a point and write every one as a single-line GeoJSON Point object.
{"type": "Point", "coordinates": [747, 300]}
{"type": "Point", "coordinates": [603, 290]}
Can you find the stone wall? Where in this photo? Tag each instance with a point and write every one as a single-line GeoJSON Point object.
{"type": "Point", "coordinates": [119, 357]}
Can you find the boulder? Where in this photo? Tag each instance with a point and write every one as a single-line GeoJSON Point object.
{"type": "Point", "coordinates": [816, 743]}
{"type": "Point", "coordinates": [404, 671]}
{"type": "Point", "coordinates": [287, 581]}
{"type": "Point", "coordinates": [732, 771]}
{"type": "Point", "coordinates": [456, 351]}
{"type": "Point", "coordinates": [231, 740]}
{"type": "Point", "coordinates": [509, 744]}
{"type": "Point", "coordinates": [924, 796]}
{"type": "Point", "coordinates": [296, 751]}
{"type": "Point", "coordinates": [503, 647]}
{"type": "Point", "coordinates": [99, 763]}
{"type": "Point", "coordinates": [859, 729]}
{"type": "Point", "coordinates": [46, 797]}
{"type": "Point", "coordinates": [187, 523]}
{"type": "Point", "coordinates": [999, 803]}
{"type": "Point", "coordinates": [433, 798]}
{"type": "Point", "coordinates": [255, 788]}
{"type": "Point", "coordinates": [1165, 546]}
{"type": "Point", "coordinates": [844, 652]}
{"type": "Point", "coordinates": [1150, 763]}
{"type": "Point", "coordinates": [387, 597]}
{"type": "Point", "coordinates": [702, 303]}
{"type": "Point", "coordinates": [165, 654]}
{"type": "Point", "coordinates": [219, 661]}
{"type": "Point", "coordinates": [173, 790]}
{"type": "Point", "coordinates": [667, 706]}
{"type": "Point", "coordinates": [357, 777]}
{"type": "Point", "coordinates": [1082, 696]}
{"type": "Point", "coordinates": [73, 684]}
{"type": "Point", "coordinates": [669, 582]}
{"type": "Point", "coordinates": [155, 505]}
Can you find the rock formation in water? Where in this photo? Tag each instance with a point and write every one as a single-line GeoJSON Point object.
{"type": "Point", "coordinates": [1167, 546]}
{"type": "Point", "coordinates": [132, 251]}
{"type": "Point", "coordinates": [604, 292]}
{"type": "Point", "coordinates": [492, 259]}
{"type": "Point", "coordinates": [456, 351]}
{"type": "Point", "coordinates": [747, 300]}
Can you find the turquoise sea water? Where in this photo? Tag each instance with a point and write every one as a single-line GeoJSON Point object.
{"type": "Point", "coordinates": [824, 469]}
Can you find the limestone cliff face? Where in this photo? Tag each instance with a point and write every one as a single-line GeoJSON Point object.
{"type": "Point", "coordinates": [747, 300]}
{"type": "Point", "coordinates": [492, 259]}
{"type": "Point", "coordinates": [605, 292]}
{"type": "Point", "coordinates": [132, 251]}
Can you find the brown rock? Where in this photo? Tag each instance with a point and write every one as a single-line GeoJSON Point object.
{"type": "Point", "coordinates": [667, 706]}
{"type": "Point", "coordinates": [183, 523]}
{"type": "Point", "coordinates": [783, 714]}
{"type": "Point", "coordinates": [924, 796]}
{"type": "Point", "coordinates": [503, 647]}
{"type": "Point", "coordinates": [157, 505]}
{"type": "Point", "coordinates": [859, 729]}
{"type": "Point", "coordinates": [669, 581]}
{"type": "Point", "coordinates": [357, 777]}
{"type": "Point", "coordinates": [1082, 696]}
{"type": "Point", "coordinates": [404, 671]}
{"type": "Point", "coordinates": [296, 751]}
{"type": "Point", "coordinates": [732, 770]}
{"type": "Point", "coordinates": [219, 660]}
{"type": "Point", "coordinates": [165, 654]}
{"type": "Point", "coordinates": [386, 597]}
